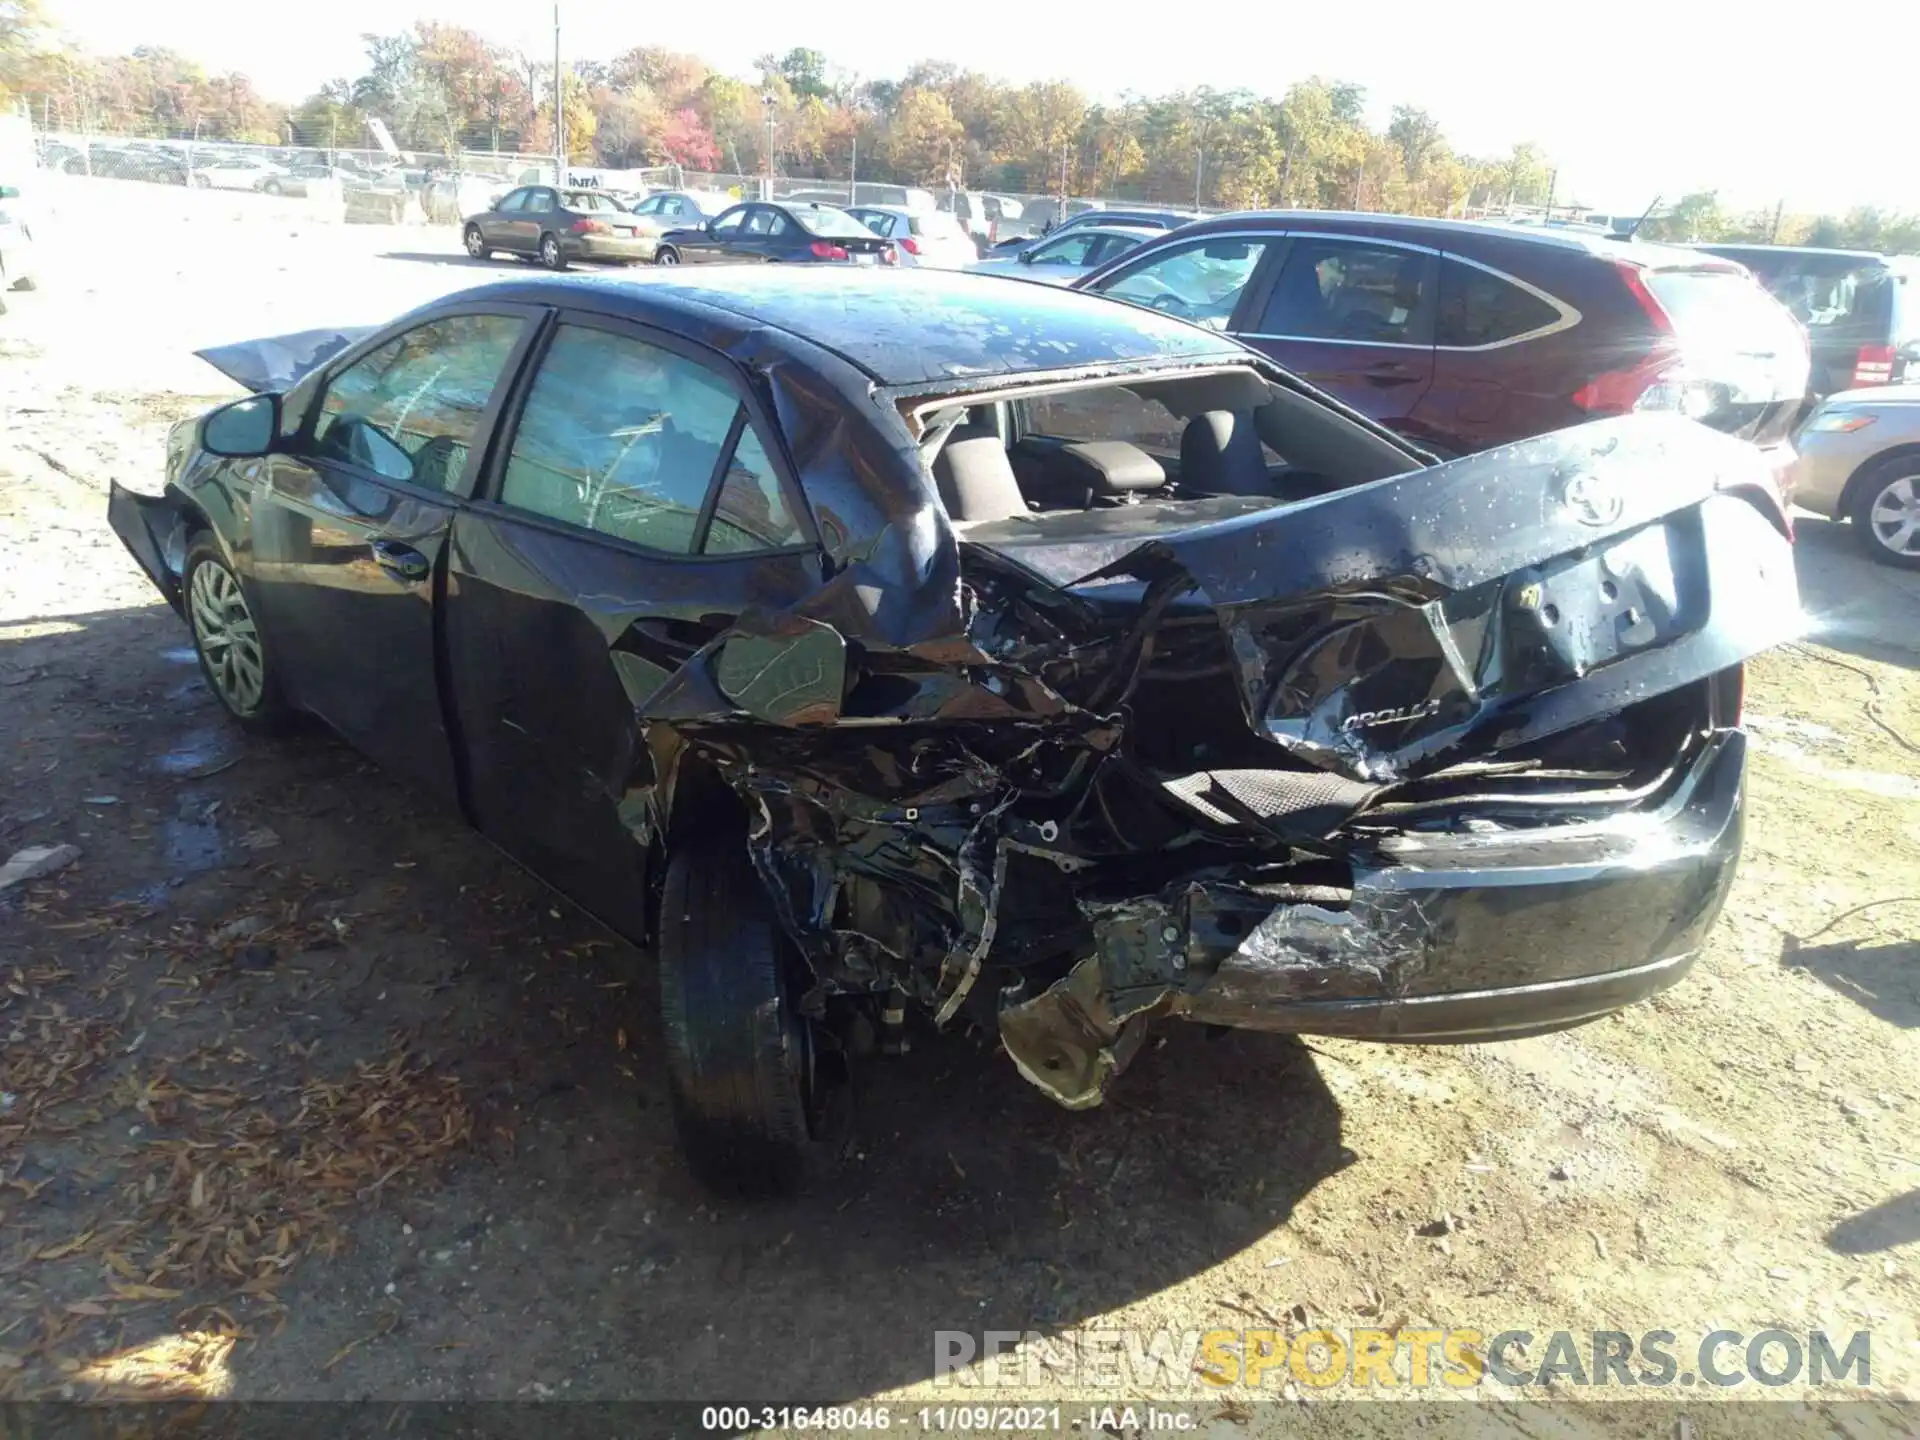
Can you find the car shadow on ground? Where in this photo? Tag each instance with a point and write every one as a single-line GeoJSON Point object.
{"type": "Point", "coordinates": [1882, 977]}
{"type": "Point", "coordinates": [569, 1240]}
{"type": "Point", "coordinates": [1888, 1225]}
{"type": "Point", "coordinates": [1854, 604]}
{"type": "Point", "coordinates": [454, 257]}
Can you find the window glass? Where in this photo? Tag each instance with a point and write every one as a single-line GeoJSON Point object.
{"type": "Point", "coordinates": [1481, 309]}
{"type": "Point", "coordinates": [751, 513]}
{"type": "Point", "coordinates": [514, 202]}
{"type": "Point", "coordinates": [833, 224]}
{"type": "Point", "coordinates": [540, 202]}
{"type": "Point", "coordinates": [1200, 281]}
{"type": "Point", "coordinates": [1068, 250]}
{"type": "Point", "coordinates": [1110, 412]}
{"type": "Point", "coordinates": [1348, 290]}
{"type": "Point", "coordinates": [759, 222]}
{"type": "Point", "coordinates": [620, 437]}
{"type": "Point", "coordinates": [586, 200]}
{"type": "Point", "coordinates": [1110, 247]}
{"type": "Point", "coordinates": [730, 222]}
{"type": "Point", "coordinates": [409, 410]}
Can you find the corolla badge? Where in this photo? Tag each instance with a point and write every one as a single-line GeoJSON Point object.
{"type": "Point", "coordinates": [1594, 499]}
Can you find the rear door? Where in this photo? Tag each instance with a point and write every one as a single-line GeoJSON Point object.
{"type": "Point", "coordinates": [534, 217]}
{"type": "Point", "coordinates": [350, 522]}
{"type": "Point", "coordinates": [638, 502]}
{"type": "Point", "coordinates": [1354, 316]}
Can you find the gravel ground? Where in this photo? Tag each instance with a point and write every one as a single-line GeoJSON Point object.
{"type": "Point", "coordinates": [309, 1094]}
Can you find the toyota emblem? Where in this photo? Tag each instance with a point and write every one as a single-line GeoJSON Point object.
{"type": "Point", "coordinates": [1594, 499]}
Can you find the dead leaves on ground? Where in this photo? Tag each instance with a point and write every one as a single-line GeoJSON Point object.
{"type": "Point", "coordinates": [224, 1185]}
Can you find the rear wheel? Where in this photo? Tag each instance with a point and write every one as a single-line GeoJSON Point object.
{"type": "Point", "coordinates": [233, 657]}
{"type": "Point", "coordinates": [1886, 511]}
{"type": "Point", "coordinates": [550, 255]}
{"type": "Point", "coordinates": [740, 1056]}
{"type": "Point", "coordinates": [666, 255]}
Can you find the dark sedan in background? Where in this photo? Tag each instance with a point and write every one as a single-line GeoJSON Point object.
{"type": "Point", "coordinates": [1459, 334]}
{"type": "Point", "coordinates": [559, 226]}
{"type": "Point", "coordinates": [1046, 663]}
{"type": "Point", "coordinates": [792, 232]}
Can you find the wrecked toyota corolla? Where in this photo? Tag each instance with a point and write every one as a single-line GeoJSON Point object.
{"type": "Point", "coordinates": [874, 642]}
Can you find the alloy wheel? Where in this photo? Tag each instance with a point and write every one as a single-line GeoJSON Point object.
{"type": "Point", "coordinates": [1894, 516]}
{"type": "Point", "coordinates": [474, 246]}
{"type": "Point", "coordinates": [223, 629]}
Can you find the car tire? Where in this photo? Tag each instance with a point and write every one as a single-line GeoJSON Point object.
{"type": "Point", "coordinates": [666, 255]}
{"type": "Point", "coordinates": [24, 282]}
{"type": "Point", "coordinates": [271, 187]}
{"type": "Point", "coordinates": [476, 245]}
{"type": "Point", "coordinates": [232, 654]}
{"type": "Point", "coordinates": [202, 182]}
{"type": "Point", "coordinates": [1885, 511]}
{"type": "Point", "coordinates": [739, 1054]}
{"type": "Point", "coordinates": [550, 255]}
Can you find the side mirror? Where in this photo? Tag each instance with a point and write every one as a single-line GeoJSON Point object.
{"type": "Point", "coordinates": [1025, 257]}
{"type": "Point", "coordinates": [244, 429]}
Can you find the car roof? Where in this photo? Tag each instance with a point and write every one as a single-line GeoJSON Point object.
{"type": "Point", "coordinates": [1438, 231]}
{"type": "Point", "coordinates": [1109, 229]}
{"type": "Point", "coordinates": [901, 328]}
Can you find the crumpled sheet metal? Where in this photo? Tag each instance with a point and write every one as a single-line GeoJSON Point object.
{"type": "Point", "coordinates": [277, 362]}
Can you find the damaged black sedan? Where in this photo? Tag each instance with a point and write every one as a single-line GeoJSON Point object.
{"type": "Point", "coordinates": [872, 642]}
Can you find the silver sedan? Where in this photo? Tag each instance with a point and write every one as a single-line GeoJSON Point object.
{"type": "Point", "coordinates": [1859, 460]}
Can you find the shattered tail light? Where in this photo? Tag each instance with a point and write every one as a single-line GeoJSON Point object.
{"type": "Point", "coordinates": [889, 255]}
{"type": "Point", "coordinates": [910, 245]}
{"type": "Point", "coordinates": [591, 227]}
{"type": "Point", "coordinates": [1873, 365]}
{"type": "Point", "coordinates": [826, 250]}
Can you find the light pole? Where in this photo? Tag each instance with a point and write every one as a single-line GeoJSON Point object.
{"type": "Point", "coordinates": [559, 108]}
{"type": "Point", "coordinates": [766, 183]}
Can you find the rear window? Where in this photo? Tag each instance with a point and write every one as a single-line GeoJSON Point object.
{"type": "Point", "coordinates": [836, 223]}
{"type": "Point", "coordinates": [1721, 309]}
{"type": "Point", "coordinates": [936, 224]}
{"type": "Point", "coordinates": [1856, 301]}
{"type": "Point", "coordinates": [1478, 308]}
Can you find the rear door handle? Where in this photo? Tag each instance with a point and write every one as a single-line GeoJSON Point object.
{"type": "Point", "coordinates": [1391, 372]}
{"type": "Point", "coordinates": [403, 562]}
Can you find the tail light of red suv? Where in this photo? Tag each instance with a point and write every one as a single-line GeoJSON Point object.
{"type": "Point", "coordinates": [1872, 365]}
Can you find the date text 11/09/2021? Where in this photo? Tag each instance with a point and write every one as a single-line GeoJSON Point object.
{"type": "Point", "coordinates": [948, 1419]}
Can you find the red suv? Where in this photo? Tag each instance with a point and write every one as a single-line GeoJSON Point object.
{"type": "Point", "coordinates": [1461, 335]}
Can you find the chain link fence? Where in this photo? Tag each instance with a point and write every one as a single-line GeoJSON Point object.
{"type": "Point", "coordinates": [397, 187]}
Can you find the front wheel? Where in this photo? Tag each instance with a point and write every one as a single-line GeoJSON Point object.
{"type": "Point", "coordinates": [203, 182]}
{"type": "Point", "coordinates": [550, 255]}
{"type": "Point", "coordinates": [476, 243]}
{"type": "Point", "coordinates": [740, 1056]}
{"type": "Point", "coordinates": [272, 187]}
{"type": "Point", "coordinates": [232, 656]}
{"type": "Point", "coordinates": [666, 255]}
{"type": "Point", "coordinates": [1886, 511]}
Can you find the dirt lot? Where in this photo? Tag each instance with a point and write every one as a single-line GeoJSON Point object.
{"type": "Point", "coordinates": [309, 1094]}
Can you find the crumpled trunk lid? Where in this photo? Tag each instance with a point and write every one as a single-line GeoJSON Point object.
{"type": "Point", "coordinates": [1467, 608]}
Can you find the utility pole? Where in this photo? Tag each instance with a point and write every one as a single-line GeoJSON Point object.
{"type": "Point", "coordinates": [1773, 235]}
{"type": "Point", "coordinates": [766, 184]}
{"type": "Point", "coordinates": [1199, 159]}
{"type": "Point", "coordinates": [559, 108]}
{"type": "Point", "coordinates": [853, 166]}
{"type": "Point", "coordinates": [1553, 183]}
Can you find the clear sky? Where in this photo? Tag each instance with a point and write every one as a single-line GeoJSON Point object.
{"type": "Point", "coordinates": [1763, 101]}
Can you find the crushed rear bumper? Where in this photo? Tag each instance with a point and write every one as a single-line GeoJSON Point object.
{"type": "Point", "coordinates": [1445, 937]}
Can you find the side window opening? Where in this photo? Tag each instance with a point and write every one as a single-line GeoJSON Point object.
{"type": "Point", "coordinates": [1480, 308]}
{"type": "Point", "coordinates": [409, 410]}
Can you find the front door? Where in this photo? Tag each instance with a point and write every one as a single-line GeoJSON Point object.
{"type": "Point", "coordinates": [716, 242]}
{"type": "Point", "coordinates": [349, 529]}
{"type": "Point", "coordinates": [635, 510]}
{"type": "Point", "coordinates": [496, 226]}
{"type": "Point", "coordinates": [1353, 316]}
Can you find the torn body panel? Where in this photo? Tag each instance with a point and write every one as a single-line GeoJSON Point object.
{"type": "Point", "coordinates": [1453, 753]}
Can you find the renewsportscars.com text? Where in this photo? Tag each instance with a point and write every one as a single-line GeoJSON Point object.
{"type": "Point", "coordinates": [1385, 1359]}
